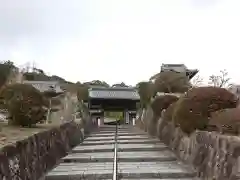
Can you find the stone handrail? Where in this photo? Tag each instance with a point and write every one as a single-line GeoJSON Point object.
{"type": "Point", "coordinates": [31, 158]}
{"type": "Point", "coordinates": [214, 156]}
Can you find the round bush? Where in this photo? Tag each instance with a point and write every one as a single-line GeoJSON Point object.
{"type": "Point", "coordinates": [162, 102]}
{"type": "Point", "coordinates": [24, 103]}
{"type": "Point", "coordinates": [168, 114]}
{"type": "Point", "coordinates": [226, 120]}
{"type": "Point", "coordinates": [194, 109]}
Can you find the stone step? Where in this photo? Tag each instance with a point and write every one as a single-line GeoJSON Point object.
{"type": "Point", "coordinates": [113, 133]}
{"type": "Point", "coordinates": [141, 147]}
{"type": "Point", "coordinates": [161, 179]}
{"type": "Point", "coordinates": [134, 137]}
{"type": "Point", "coordinates": [155, 170]}
{"type": "Point", "coordinates": [89, 157]}
{"type": "Point", "coordinates": [112, 137]}
{"type": "Point", "coordinates": [89, 149]}
{"type": "Point", "coordinates": [94, 139]}
{"type": "Point", "coordinates": [138, 170]}
{"type": "Point", "coordinates": [88, 171]}
{"type": "Point", "coordinates": [121, 148]}
{"type": "Point", "coordinates": [145, 156]}
{"type": "Point", "coordinates": [121, 141]}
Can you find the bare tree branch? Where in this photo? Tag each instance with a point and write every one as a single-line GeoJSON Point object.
{"type": "Point", "coordinates": [221, 80]}
{"type": "Point", "coordinates": [197, 81]}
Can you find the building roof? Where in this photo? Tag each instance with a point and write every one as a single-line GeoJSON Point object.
{"type": "Point", "coordinates": [44, 86]}
{"type": "Point", "coordinates": [174, 67]}
{"type": "Point", "coordinates": [180, 68]}
{"type": "Point", "coordinates": [114, 93]}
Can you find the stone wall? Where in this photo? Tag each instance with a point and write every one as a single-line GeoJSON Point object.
{"type": "Point", "coordinates": [215, 156]}
{"type": "Point", "coordinates": [31, 158]}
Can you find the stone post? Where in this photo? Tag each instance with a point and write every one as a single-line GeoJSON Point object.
{"type": "Point", "coordinates": [126, 115]}
{"type": "Point", "coordinates": [99, 122]}
{"type": "Point", "coordinates": [133, 121]}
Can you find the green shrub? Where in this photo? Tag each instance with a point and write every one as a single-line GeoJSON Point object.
{"type": "Point", "coordinates": [168, 114]}
{"type": "Point", "coordinates": [6, 68]}
{"type": "Point", "coordinates": [159, 103]}
{"type": "Point", "coordinates": [162, 102]}
{"type": "Point", "coordinates": [146, 91]}
{"type": "Point", "coordinates": [226, 120]}
{"type": "Point", "coordinates": [171, 82]}
{"type": "Point", "coordinates": [194, 109]}
{"type": "Point", "coordinates": [82, 92]}
{"type": "Point", "coordinates": [24, 104]}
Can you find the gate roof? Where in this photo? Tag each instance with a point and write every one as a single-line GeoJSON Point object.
{"type": "Point", "coordinates": [114, 93]}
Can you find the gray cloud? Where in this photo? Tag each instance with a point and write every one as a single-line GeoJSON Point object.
{"type": "Point", "coordinates": [39, 26]}
{"type": "Point", "coordinates": [39, 19]}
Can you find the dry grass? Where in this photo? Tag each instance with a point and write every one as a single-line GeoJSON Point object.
{"type": "Point", "coordinates": [11, 134]}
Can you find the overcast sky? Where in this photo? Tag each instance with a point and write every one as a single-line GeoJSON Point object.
{"type": "Point", "coordinates": [121, 40]}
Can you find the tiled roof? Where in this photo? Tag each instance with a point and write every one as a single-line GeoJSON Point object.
{"type": "Point", "coordinates": [114, 93]}
{"type": "Point", "coordinates": [43, 86]}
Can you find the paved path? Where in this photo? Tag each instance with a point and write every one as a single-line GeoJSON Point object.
{"type": "Point", "coordinates": [139, 157]}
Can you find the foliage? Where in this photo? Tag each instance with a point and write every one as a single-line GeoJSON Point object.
{"type": "Point", "coordinates": [97, 83]}
{"type": "Point", "coordinates": [159, 103]}
{"type": "Point", "coordinates": [34, 76]}
{"type": "Point", "coordinates": [171, 82]}
{"type": "Point", "coordinates": [194, 109]}
{"type": "Point", "coordinates": [6, 68]}
{"type": "Point", "coordinates": [115, 115]}
{"type": "Point", "coordinates": [39, 75]}
{"type": "Point", "coordinates": [82, 92]}
{"type": "Point", "coordinates": [122, 84]}
{"type": "Point", "coordinates": [162, 102]}
{"type": "Point", "coordinates": [24, 104]}
{"type": "Point", "coordinates": [226, 120]}
{"type": "Point", "coordinates": [168, 114]}
{"type": "Point", "coordinates": [57, 78]}
{"type": "Point", "coordinates": [145, 90]}
{"type": "Point", "coordinates": [221, 80]}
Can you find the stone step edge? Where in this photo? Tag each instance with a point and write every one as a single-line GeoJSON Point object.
{"type": "Point", "coordinates": [160, 175]}
{"type": "Point", "coordinates": [119, 150]}
{"type": "Point", "coordinates": [112, 134]}
{"type": "Point", "coordinates": [120, 159]}
{"type": "Point", "coordinates": [112, 142]}
{"type": "Point", "coordinates": [119, 138]}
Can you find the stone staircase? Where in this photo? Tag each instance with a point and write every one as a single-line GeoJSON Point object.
{"type": "Point", "coordinates": [139, 157]}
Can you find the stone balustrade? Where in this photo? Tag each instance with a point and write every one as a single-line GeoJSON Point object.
{"type": "Point", "coordinates": [215, 156]}
{"type": "Point", "coordinates": [33, 157]}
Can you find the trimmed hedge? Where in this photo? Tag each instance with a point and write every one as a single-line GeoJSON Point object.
{"type": "Point", "coordinates": [226, 120]}
{"type": "Point", "coordinates": [24, 104]}
{"type": "Point", "coordinates": [194, 109]}
{"type": "Point", "coordinates": [171, 82]}
{"type": "Point", "coordinates": [158, 105]}
{"type": "Point", "coordinates": [168, 114]}
{"type": "Point", "coordinates": [162, 102]}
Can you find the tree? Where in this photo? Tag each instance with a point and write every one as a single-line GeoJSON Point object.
{"type": "Point", "coordinates": [24, 103]}
{"type": "Point", "coordinates": [6, 68]}
{"type": "Point", "coordinates": [97, 83]}
{"type": "Point", "coordinates": [82, 92]}
{"type": "Point", "coordinates": [197, 81]}
{"type": "Point", "coordinates": [145, 90]}
{"type": "Point", "coordinates": [221, 80]}
{"type": "Point", "coordinates": [171, 82]}
{"type": "Point", "coordinates": [122, 84]}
